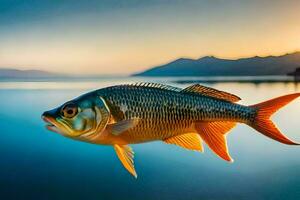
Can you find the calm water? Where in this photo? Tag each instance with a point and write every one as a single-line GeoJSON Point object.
{"type": "Point", "coordinates": [38, 164]}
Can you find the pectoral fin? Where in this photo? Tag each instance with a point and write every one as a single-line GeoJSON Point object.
{"type": "Point", "coordinates": [122, 126]}
{"type": "Point", "coordinates": [126, 155]}
{"type": "Point", "coordinates": [190, 141]}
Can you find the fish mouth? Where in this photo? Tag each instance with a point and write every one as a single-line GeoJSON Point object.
{"type": "Point", "coordinates": [51, 124]}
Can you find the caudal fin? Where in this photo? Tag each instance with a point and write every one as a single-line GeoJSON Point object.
{"type": "Point", "coordinates": [265, 110]}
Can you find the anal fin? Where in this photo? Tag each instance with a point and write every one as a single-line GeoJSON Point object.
{"type": "Point", "coordinates": [190, 141]}
{"type": "Point", "coordinates": [126, 155]}
{"type": "Point", "coordinates": [214, 135]}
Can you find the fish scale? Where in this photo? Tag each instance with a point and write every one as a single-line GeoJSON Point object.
{"type": "Point", "coordinates": [164, 113]}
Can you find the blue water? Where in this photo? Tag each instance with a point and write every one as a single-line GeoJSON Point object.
{"type": "Point", "coordinates": [38, 164]}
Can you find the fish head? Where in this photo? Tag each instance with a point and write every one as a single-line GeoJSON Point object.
{"type": "Point", "coordinates": [79, 117]}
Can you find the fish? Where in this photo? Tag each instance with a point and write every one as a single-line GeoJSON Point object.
{"type": "Point", "coordinates": [143, 112]}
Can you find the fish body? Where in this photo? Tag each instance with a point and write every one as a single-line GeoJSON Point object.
{"type": "Point", "coordinates": [138, 113]}
{"type": "Point", "coordinates": [164, 113]}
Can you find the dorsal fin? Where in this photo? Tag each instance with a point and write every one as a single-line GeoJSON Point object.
{"type": "Point", "coordinates": [214, 135]}
{"type": "Point", "coordinates": [208, 91]}
{"type": "Point", "coordinates": [190, 141]}
{"type": "Point", "coordinates": [126, 155]}
{"type": "Point", "coordinates": [156, 85]}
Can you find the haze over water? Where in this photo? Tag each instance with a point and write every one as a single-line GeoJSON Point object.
{"type": "Point", "coordinates": [39, 164]}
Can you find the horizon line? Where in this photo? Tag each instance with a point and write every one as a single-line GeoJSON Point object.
{"type": "Point", "coordinates": [146, 68]}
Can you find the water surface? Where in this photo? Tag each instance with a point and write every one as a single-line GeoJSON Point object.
{"type": "Point", "coordinates": [38, 164]}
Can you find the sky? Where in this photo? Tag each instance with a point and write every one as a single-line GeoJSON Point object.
{"type": "Point", "coordinates": [124, 37]}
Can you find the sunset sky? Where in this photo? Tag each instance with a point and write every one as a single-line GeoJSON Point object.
{"type": "Point", "coordinates": [110, 36]}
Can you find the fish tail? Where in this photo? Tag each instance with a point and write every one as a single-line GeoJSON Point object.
{"type": "Point", "coordinates": [262, 122]}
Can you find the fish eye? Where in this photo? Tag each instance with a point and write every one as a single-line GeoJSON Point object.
{"type": "Point", "coordinates": [69, 110]}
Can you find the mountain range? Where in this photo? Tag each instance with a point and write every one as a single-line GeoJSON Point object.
{"type": "Point", "coordinates": [16, 73]}
{"type": "Point", "coordinates": [205, 66]}
{"type": "Point", "coordinates": [212, 66]}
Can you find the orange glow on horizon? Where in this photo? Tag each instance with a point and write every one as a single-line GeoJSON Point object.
{"type": "Point", "coordinates": [133, 41]}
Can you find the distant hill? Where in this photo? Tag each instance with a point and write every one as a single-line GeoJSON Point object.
{"type": "Point", "coordinates": [212, 66]}
{"type": "Point", "coordinates": [15, 73]}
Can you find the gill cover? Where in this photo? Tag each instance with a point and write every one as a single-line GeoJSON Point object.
{"type": "Point", "coordinates": [102, 117]}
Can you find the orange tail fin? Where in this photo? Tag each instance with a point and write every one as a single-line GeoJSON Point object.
{"type": "Point", "coordinates": [265, 110]}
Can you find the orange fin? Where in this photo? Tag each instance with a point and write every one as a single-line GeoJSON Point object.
{"type": "Point", "coordinates": [190, 141]}
{"type": "Point", "coordinates": [265, 110]}
{"type": "Point", "coordinates": [126, 155]}
{"type": "Point", "coordinates": [214, 135]}
{"type": "Point", "coordinates": [207, 91]}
